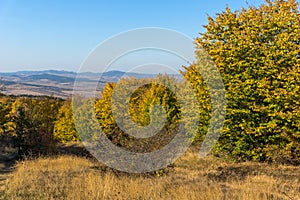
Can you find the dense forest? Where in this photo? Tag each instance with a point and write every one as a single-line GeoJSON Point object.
{"type": "Point", "coordinates": [257, 53]}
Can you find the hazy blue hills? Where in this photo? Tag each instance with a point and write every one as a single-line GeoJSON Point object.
{"type": "Point", "coordinates": [28, 73]}
{"type": "Point", "coordinates": [57, 82]}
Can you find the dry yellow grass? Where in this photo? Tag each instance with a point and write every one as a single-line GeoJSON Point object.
{"type": "Point", "coordinates": [68, 177]}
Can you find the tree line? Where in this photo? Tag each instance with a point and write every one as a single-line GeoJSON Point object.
{"type": "Point", "coordinates": [256, 51]}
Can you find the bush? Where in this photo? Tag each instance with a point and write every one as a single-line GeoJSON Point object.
{"type": "Point", "coordinates": [141, 106]}
{"type": "Point", "coordinates": [64, 127]}
{"type": "Point", "coordinates": [34, 123]}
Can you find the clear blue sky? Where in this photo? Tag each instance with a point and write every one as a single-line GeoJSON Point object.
{"type": "Point", "coordinates": [59, 34]}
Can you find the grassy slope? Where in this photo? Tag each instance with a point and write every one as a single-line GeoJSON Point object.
{"type": "Point", "coordinates": [68, 177]}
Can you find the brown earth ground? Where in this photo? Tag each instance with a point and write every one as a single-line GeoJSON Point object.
{"type": "Point", "coordinates": [6, 169]}
{"type": "Point", "coordinates": [8, 157]}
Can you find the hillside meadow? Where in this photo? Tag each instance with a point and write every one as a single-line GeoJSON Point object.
{"type": "Point", "coordinates": [72, 177]}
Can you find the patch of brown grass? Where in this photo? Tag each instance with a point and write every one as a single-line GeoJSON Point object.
{"type": "Point", "coordinates": [69, 177]}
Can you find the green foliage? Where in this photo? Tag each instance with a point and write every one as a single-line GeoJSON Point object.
{"type": "Point", "coordinates": [194, 77]}
{"type": "Point", "coordinates": [257, 53]}
{"type": "Point", "coordinates": [148, 93]}
{"type": "Point", "coordinates": [86, 122]}
{"type": "Point", "coordinates": [104, 111]}
{"type": "Point", "coordinates": [64, 127]}
{"type": "Point", "coordinates": [5, 108]}
{"type": "Point", "coordinates": [159, 92]}
{"type": "Point", "coordinates": [34, 123]}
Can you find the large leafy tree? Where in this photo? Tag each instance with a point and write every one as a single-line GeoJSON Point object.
{"type": "Point", "coordinates": [257, 52]}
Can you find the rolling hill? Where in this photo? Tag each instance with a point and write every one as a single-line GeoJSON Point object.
{"type": "Point", "coordinates": [57, 83]}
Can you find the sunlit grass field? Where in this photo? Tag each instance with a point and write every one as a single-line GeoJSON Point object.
{"type": "Point", "coordinates": [71, 177]}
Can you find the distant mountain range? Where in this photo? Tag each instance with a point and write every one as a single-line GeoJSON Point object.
{"type": "Point", "coordinates": [57, 83]}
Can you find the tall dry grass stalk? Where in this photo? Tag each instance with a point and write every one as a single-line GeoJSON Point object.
{"type": "Point", "coordinates": [69, 177]}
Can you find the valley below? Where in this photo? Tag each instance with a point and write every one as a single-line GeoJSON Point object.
{"type": "Point", "coordinates": [58, 83]}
